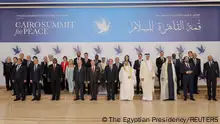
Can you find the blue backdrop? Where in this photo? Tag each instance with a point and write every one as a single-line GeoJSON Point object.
{"type": "Point", "coordinates": [110, 24]}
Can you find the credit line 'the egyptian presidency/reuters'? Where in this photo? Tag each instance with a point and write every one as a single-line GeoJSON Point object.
{"type": "Point", "coordinates": [184, 120]}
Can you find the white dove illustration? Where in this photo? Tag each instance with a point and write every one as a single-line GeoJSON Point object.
{"type": "Point", "coordinates": [103, 26]}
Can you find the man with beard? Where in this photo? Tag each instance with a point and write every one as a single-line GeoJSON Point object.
{"type": "Point", "coordinates": [76, 60]}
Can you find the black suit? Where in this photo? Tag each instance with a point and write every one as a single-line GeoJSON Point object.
{"type": "Point", "coordinates": [159, 63]}
{"type": "Point", "coordinates": [76, 61]}
{"type": "Point", "coordinates": [177, 63]}
{"type": "Point", "coordinates": [211, 73]}
{"type": "Point", "coordinates": [137, 65]}
{"type": "Point", "coordinates": [187, 79]}
{"type": "Point", "coordinates": [79, 79]}
{"type": "Point", "coordinates": [7, 68]}
{"type": "Point", "coordinates": [197, 66]}
{"type": "Point", "coordinates": [46, 85]}
{"type": "Point", "coordinates": [55, 75]}
{"type": "Point", "coordinates": [36, 76]}
{"type": "Point", "coordinates": [111, 78]}
{"type": "Point", "coordinates": [13, 70]}
{"type": "Point", "coordinates": [93, 78]}
{"type": "Point", "coordinates": [97, 62]}
{"type": "Point", "coordinates": [87, 66]}
{"type": "Point", "coordinates": [118, 65]}
{"type": "Point", "coordinates": [24, 62]}
{"type": "Point", "coordinates": [28, 85]}
{"type": "Point", "coordinates": [20, 74]}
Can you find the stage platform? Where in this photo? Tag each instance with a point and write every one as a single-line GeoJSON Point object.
{"type": "Point", "coordinates": [67, 111]}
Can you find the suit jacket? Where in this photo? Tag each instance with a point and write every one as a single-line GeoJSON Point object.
{"type": "Point", "coordinates": [211, 72]}
{"type": "Point", "coordinates": [111, 75]}
{"type": "Point", "coordinates": [94, 76]}
{"type": "Point", "coordinates": [24, 62]}
{"type": "Point", "coordinates": [64, 66]}
{"type": "Point", "coordinates": [29, 68]}
{"type": "Point", "coordinates": [97, 62]}
{"type": "Point", "coordinates": [7, 68]}
{"type": "Point", "coordinates": [177, 65]}
{"type": "Point", "coordinates": [79, 75]}
{"type": "Point", "coordinates": [36, 74]}
{"type": "Point", "coordinates": [184, 69]}
{"type": "Point", "coordinates": [55, 74]}
{"type": "Point", "coordinates": [75, 61]}
{"type": "Point", "coordinates": [44, 68]}
{"type": "Point", "coordinates": [196, 65]}
{"type": "Point", "coordinates": [14, 66]}
{"type": "Point", "coordinates": [159, 63]}
{"type": "Point", "coordinates": [137, 66]}
{"type": "Point", "coordinates": [21, 73]}
{"type": "Point", "coordinates": [87, 66]}
{"type": "Point", "coordinates": [118, 69]}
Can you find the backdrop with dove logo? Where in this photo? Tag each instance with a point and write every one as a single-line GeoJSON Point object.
{"type": "Point", "coordinates": [109, 31]}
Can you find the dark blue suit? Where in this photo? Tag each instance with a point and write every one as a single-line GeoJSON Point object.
{"type": "Point", "coordinates": [187, 79]}
{"type": "Point", "coordinates": [20, 74]}
{"type": "Point", "coordinates": [36, 76]}
{"type": "Point", "coordinates": [79, 79]}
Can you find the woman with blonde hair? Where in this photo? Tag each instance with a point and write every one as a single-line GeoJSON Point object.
{"type": "Point", "coordinates": [69, 75]}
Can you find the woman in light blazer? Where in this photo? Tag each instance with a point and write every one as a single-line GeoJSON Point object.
{"type": "Point", "coordinates": [69, 75]}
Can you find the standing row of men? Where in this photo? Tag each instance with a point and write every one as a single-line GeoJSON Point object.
{"type": "Point", "coordinates": [50, 73]}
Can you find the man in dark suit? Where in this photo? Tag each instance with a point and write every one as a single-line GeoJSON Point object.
{"type": "Point", "coordinates": [79, 79]}
{"type": "Point", "coordinates": [177, 64]}
{"type": "Point", "coordinates": [24, 61]}
{"type": "Point", "coordinates": [7, 68]}
{"type": "Point", "coordinates": [78, 54]}
{"type": "Point", "coordinates": [197, 66]}
{"type": "Point", "coordinates": [111, 74]}
{"type": "Point", "coordinates": [55, 77]}
{"type": "Point", "coordinates": [159, 62]}
{"type": "Point", "coordinates": [187, 70]}
{"type": "Point", "coordinates": [118, 65]}
{"type": "Point", "coordinates": [87, 66]}
{"type": "Point", "coordinates": [137, 65]}
{"type": "Point", "coordinates": [35, 78]}
{"type": "Point", "coordinates": [28, 85]}
{"type": "Point", "coordinates": [14, 66]}
{"type": "Point", "coordinates": [93, 79]}
{"type": "Point", "coordinates": [20, 77]}
{"type": "Point", "coordinates": [211, 72]}
{"type": "Point", "coordinates": [97, 60]}
{"type": "Point", "coordinates": [44, 70]}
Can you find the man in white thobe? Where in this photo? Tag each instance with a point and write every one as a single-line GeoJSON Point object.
{"type": "Point", "coordinates": [128, 80]}
{"type": "Point", "coordinates": [147, 76]}
{"type": "Point", "coordinates": [168, 81]}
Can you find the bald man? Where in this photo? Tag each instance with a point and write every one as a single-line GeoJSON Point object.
{"type": "Point", "coordinates": [211, 73]}
{"type": "Point", "coordinates": [111, 74]}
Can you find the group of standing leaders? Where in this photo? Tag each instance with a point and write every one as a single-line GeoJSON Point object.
{"type": "Point", "coordinates": [27, 77]}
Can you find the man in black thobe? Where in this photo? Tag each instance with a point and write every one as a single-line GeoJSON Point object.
{"type": "Point", "coordinates": [55, 74]}
{"type": "Point", "coordinates": [211, 72]}
{"type": "Point", "coordinates": [79, 79]}
{"type": "Point", "coordinates": [111, 73]}
{"type": "Point", "coordinates": [20, 77]}
{"type": "Point", "coordinates": [94, 79]}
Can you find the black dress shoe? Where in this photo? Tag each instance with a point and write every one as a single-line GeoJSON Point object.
{"type": "Point", "coordinates": [23, 99]}
{"type": "Point", "coordinates": [76, 99]}
{"type": "Point", "coordinates": [53, 99]}
{"type": "Point", "coordinates": [185, 99]}
{"type": "Point", "coordinates": [82, 99]}
{"type": "Point", "coordinates": [34, 99]}
{"type": "Point", "coordinates": [13, 94]}
{"type": "Point", "coordinates": [57, 99]}
{"type": "Point", "coordinates": [91, 99]}
{"type": "Point", "coordinates": [178, 93]}
{"type": "Point", "coordinates": [108, 99]}
{"type": "Point", "coordinates": [95, 99]}
{"type": "Point", "coordinates": [209, 99]}
{"type": "Point", "coordinates": [113, 99]}
{"type": "Point", "coordinates": [192, 99]}
{"type": "Point", "coordinates": [17, 99]}
{"type": "Point", "coordinates": [215, 99]}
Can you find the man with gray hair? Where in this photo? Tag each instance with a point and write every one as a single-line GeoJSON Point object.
{"type": "Point", "coordinates": [118, 65]}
